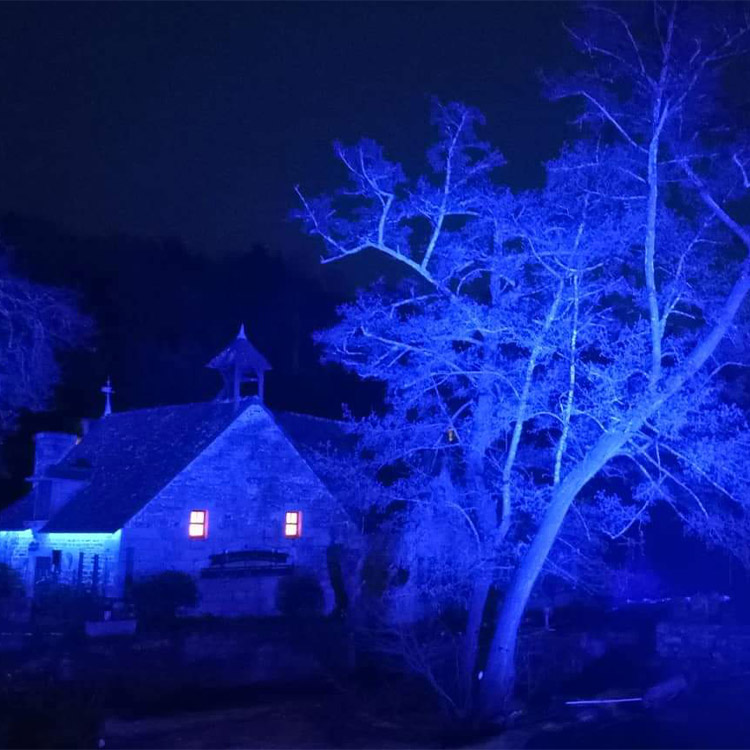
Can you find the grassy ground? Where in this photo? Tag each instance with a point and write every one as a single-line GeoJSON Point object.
{"type": "Point", "coordinates": [712, 716]}
{"type": "Point", "coordinates": [299, 722]}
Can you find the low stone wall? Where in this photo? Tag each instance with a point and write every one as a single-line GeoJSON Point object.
{"type": "Point", "coordinates": [705, 647]}
{"type": "Point", "coordinates": [228, 659]}
{"type": "Point", "coordinates": [15, 610]}
{"type": "Point", "coordinates": [202, 654]}
{"type": "Point", "coordinates": [548, 659]}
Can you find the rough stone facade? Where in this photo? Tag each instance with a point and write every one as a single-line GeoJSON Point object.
{"type": "Point", "coordinates": [246, 481]}
{"type": "Point", "coordinates": [116, 507]}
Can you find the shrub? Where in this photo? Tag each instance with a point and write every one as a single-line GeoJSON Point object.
{"type": "Point", "coordinates": [158, 598]}
{"type": "Point", "coordinates": [10, 582]}
{"type": "Point", "coordinates": [70, 603]}
{"type": "Point", "coordinates": [300, 595]}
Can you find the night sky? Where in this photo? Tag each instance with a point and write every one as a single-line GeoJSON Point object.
{"type": "Point", "coordinates": [194, 121]}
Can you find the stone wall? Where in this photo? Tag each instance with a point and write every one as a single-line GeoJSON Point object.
{"type": "Point", "coordinates": [246, 480]}
{"type": "Point", "coordinates": [148, 666]}
{"type": "Point", "coordinates": [230, 596]}
{"type": "Point", "coordinates": [14, 551]}
{"type": "Point", "coordinates": [88, 560]}
{"type": "Point", "coordinates": [705, 647]}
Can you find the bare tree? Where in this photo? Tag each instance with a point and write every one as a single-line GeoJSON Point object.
{"type": "Point", "coordinates": [692, 270]}
{"type": "Point", "coordinates": [568, 348]}
{"type": "Point", "coordinates": [36, 324]}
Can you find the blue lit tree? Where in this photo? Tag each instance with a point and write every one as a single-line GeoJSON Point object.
{"type": "Point", "coordinates": [570, 348]}
{"type": "Point", "coordinates": [37, 323]}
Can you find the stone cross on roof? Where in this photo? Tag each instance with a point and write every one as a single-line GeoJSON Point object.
{"type": "Point", "coordinates": [107, 390]}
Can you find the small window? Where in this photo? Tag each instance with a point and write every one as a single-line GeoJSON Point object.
{"type": "Point", "coordinates": [293, 524]}
{"type": "Point", "coordinates": [56, 560]}
{"type": "Point", "coordinates": [198, 526]}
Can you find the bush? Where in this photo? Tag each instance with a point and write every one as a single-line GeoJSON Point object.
{"type": "Point", "coordinates": [10, 582]}
{"type": "Point", "coordinates": [300, 595]}
{"type": "Point", "coordinates": [69, 603]}
{"type": "Point", "coordinates": [158, 598]}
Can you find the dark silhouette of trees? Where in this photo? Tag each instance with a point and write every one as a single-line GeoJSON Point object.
{"type": "Point", "coordinates": [160, 312]}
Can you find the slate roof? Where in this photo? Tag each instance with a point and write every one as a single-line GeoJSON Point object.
{"type": "Point", "coordinates": [311, 435]}
{"type": "Point", "coordinates": [127, 458]}
{"type": "Point", "coordinates": [316, 438]}
{"type": "Point", "coordinates": [130, 456]}
{"type": "Point", "coordinates": [15, 516]}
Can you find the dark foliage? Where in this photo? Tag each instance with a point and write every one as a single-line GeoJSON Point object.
{"type": "Point", "coordinates": [158, 598]}
{"type": "Point", "coordinates": [300, 595]}
{"type": "Point", "coordinates": [162, 311]}
{"type": "Point", "coordinates": [68, 604]}
{"type": "Point", "coordinates": [10, 582]}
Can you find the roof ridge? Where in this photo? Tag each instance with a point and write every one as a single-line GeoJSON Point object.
{"type": "Point", "coordinates": [307, 416]}
{"type": "Point", "coordinates": [245, 400]}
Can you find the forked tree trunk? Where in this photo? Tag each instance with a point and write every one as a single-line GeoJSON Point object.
{"type": "Point", "coordinates": [496, 686]}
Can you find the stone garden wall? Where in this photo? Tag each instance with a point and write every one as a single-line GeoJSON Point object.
{"type": "Point", "coordinates": [704, 648]}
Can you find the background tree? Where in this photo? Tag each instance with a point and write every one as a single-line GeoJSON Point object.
{"type": "Point", "coordinates": [37, 323]}
{"type": "Point", "coordinates": [565, 348]}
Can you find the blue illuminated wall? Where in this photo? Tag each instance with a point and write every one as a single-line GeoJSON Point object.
{"type": "Point", "coordinates": [247, 479]}
{"type": "Point", "coordinates": [14, 551]}
{"type": "Point", "coordinates": [88, 560]}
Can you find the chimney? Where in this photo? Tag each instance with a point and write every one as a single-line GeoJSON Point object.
{"type": "Point", "coordinates": [51, 447]}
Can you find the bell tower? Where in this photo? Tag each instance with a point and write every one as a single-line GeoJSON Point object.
{"type": "Point", "coordinates": [240, 363]}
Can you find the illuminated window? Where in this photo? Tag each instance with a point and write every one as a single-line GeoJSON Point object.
{"type": "Point", "coordinates": [293, 524]}
{"type": "Point", "coordinates": [198, 527]}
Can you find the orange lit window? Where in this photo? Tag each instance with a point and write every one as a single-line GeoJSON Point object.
{"type": "Point", "coordinates": [293, 524]}
{"type": "Point", "coordinates": [198, 526]}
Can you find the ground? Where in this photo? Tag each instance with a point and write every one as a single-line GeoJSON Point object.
{"type": "Point", "coordinates": [311, 719]}
{"type": "Point", "coordinates": [216, 684]}
{"type": "Point", "coordinates": [713, 715]}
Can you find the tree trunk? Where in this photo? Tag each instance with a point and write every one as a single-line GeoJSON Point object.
{"type": "Point", "coordinates": [467, 674]}
{"type": "Point", "coordinates": [485, 519]}
{"type": "Point", "coordinates": [496, 687]}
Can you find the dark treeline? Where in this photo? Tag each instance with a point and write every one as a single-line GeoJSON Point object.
{"type": "Point", "coordinates": [160, 312]}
